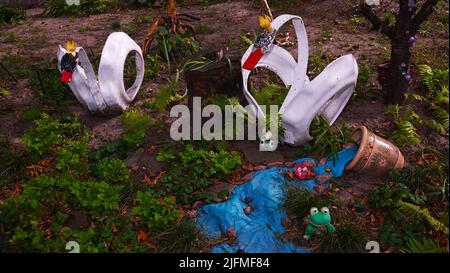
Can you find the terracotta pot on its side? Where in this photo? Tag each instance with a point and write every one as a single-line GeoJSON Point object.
{"type": "Point", "coordinates": [375, 156]}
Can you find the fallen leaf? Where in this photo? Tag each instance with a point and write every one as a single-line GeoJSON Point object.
{"type": "Point", "coordinates": [134, 167]}
{"type": "Point", "coordinates": [142, 235]}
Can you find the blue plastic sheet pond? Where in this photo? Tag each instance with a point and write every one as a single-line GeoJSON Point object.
{"type": "Point", "coordinates": [262, 231]}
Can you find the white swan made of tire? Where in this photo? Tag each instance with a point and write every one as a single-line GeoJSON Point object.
{"type": "Point", "coordinates": [107, 95]}
{"type": "Point", "coordinates": [326, 94]}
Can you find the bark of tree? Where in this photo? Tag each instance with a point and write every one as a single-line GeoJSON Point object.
{"type": "Point", "coordinates": [406, 26]}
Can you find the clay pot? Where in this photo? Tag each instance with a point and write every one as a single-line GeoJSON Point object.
{"type": "Point", "coordinates": [375, 156]}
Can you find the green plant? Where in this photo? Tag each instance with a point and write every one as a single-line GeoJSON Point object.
{"type": "Point", "coordinates": [405, 125]}
{"type": "Point", "coordinates": [328, 140]}
{"type": "Point", "coordinates": [299, 201]}
{"type": "Point", "coordinates": [4, 92]}
{"type": "Point", "coordinates": [135, 124]}
{"type": "Point", "coordinates": [152, 66]}
{"type": "Point", "coordinates": [424, 245]}
{"type": "Point", "coordinates": [165, 96]}
{"type": "Point", "coordinates": [50, 132]}
{"type": "Point", "coordinates": [348, 238]}
{"type": "Point", "coordinates": [183, 237]}
{"type": "Point", "coordinates": [415, 211]}
{"type": "Point", "coordinates": [178, 46]}
{"type": "Point", "coordinates": [271, 94]}
{"type": "Point", "coordinates": [192, 168]}
{"type": "Point", "coordinates": [115, 25]}
{"type": "Point", "coordinates": [363, 80]}
{"type": "Point", "coordinates": [158, 214]}
{"type": "Point", "coordinates": [72, 157]}
{"type": "Point", "coordinates": [387, 195]}
{"type": "Point", "coordinates": [30, 114]}
{"type": "Point", "coordinates": [10, 14]}
{"type": "Point", "coordinates": [50, 89]}
{"type": "Point", "coordinates": [325, 35]}
{"type": "Point", "coordinates": [317, 62]}
{"type": "Point", "coordinates": [112, 170]}
{"type": "Point", "coordinates": [36, 219]}
{"type": "Point", "coordinates": [436, 83]}
{"type": "Point", "coordinates": [99, 199]}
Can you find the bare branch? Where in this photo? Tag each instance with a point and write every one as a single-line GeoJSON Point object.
{"type": "Point", "coordinates": [377, 23]}
{"type": "Point", "coordinates": [424, 12]}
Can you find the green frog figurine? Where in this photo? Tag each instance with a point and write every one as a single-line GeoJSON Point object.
{"type": "Point", "coordinates": [318, 220]}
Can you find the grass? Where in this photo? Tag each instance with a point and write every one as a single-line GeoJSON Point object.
{"type": "Point", "coordinates": [183, 237]}
{"type": "Point", "coordinates": [348, 238]}
{"type": "Point", "coordinates": [318, 60]}
{"type": "Point", "coordinates": [11, 14]}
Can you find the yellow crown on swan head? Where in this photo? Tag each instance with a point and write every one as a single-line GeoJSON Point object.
{"type": "Point", "coordinates": [265, 23]}
{"type": "Point", "coordinates": [71, 46]}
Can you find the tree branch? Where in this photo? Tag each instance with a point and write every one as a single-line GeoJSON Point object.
{"type": "Point", "coordinates": [377, 23]}
{"type": "Point", "coordinates": [424, 12]}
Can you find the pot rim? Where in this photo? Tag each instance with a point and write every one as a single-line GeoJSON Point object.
{"type": "Point", "coordinates": [362, 145]}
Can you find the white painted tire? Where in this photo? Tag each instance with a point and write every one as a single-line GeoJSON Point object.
{"type": "Point", "coordinates": [327, 94]}
{"type": "Point", "coordinates": [108, 94]}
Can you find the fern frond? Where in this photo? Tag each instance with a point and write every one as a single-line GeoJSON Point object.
{"type": "Point", "coordinates": [405, 133]}
{"type": "Point", "coordinates": [417, 212]}
{"type": "Point", "coordinates": [426, 75]}
{"type": "Point", "coordinates": [394, 110]}
{"type": "Point", "coordinates": [436, 126]}
{"type": "Point", "coordinates": [425, 245]}
{"type": "Point", "coordinates": [441, 115]}
{"type": "Point", "coordinates": [415, 97]}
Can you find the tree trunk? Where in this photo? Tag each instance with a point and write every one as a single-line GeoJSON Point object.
{"type": "Point", "coordinates": [397, 82]}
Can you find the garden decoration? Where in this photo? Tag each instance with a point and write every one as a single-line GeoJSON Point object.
{"type": "Point", "coordinates": [327, 94]}
{"type": "Point", "coordinates": [318, 222]}
{"type": "Point", "coordinates": [376, 155]}
{"type": "Point", "coordinates": [106, 95]}
{"type": "Point", "coordinates": [255, 211]}
{"type": "Point", "coordinates": [304, 171]}
{"type": "Point", "coordinates": [175, 22]}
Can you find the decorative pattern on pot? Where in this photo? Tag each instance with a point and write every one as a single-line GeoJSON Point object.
{"type": "Point", "coordinates": [327, 94]}
{"type": "Point", "coordinates": [107, 95]}
{"type": "Point", "coordinates": [376, 155]}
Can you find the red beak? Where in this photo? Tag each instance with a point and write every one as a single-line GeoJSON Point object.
{"type": "Point", "coordinates": [66, 76]}
{"type": "Point", "coordinates": [253, 59]}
